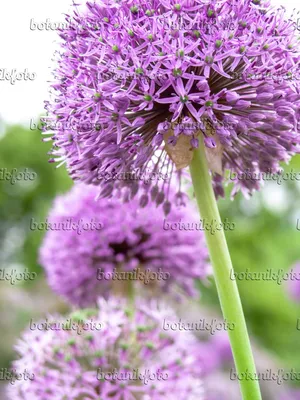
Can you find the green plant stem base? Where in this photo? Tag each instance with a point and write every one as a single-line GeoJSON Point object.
{"type": "Point", "coordinates": [227, 288]}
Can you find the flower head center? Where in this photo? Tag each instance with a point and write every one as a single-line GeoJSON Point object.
{"type": "Point", "coordinates": [209, 59]}
{"type": "Point", "coordinates": [184, 99]}
{"type": "Point", "coordinates": [243, 24]}
{"type": "Point", "coordinates": [134, 9]}
{"type": "Point", "coordinates": [177, 72]}
{"type": "Point", "coordinates": [139, 71]}
{"type": "Point", "coordinates": [149, 13]}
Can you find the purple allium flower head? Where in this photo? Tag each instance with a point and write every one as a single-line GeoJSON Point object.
{"type": "Point", "coordinates": [83, 264]}
{"type": "Point", "coordinates": [144, 81]}
{"type": "Point", "coordinates": [293, 283]}
{"type": "Point", "coordinates": [110, 363]}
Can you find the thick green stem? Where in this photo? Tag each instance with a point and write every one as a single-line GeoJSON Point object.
{"type": "Point", "coordinates": [124, 289]}
{"type": "Point", "coordinates": [131, 294]}
{"type": "Point", "coordinates": [222, 265]}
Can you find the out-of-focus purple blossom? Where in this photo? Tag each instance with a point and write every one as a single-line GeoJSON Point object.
{"type": "Point", "coordinates": [291, 395]}
{"type": "Point", "coordinates": [81, 265]}
{"type": "Point", "coordinates": [221, 345]}
{"type": "Point", "coordinates": [110, 363]}
{"type": "Point", "coordinates": [143, 82]}
{"type": "Point", "coordinates": [218, 386]}
{"type": "Point", "coordinates": [293, 284]}
{"type": "Point", "coordinates": [215, 353]}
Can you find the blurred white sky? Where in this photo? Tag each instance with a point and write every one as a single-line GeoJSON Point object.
{"type": "Point", "coordinates": [22, 48]}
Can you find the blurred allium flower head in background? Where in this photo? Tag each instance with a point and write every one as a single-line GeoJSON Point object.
{"type": "Point", "coordinates": [293, 284]}
{"type": "Point", "coordinates": [71, 366]}
{"type": "Point", "coordinates": [145, 81]}
{"type": "Point", "coordinates": [82, 266]}
{"type": "Point", "coordinates": [292, 395]}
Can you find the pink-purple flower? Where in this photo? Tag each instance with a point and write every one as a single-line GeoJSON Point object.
{"type": "Point", "coordinates": [224, 71]}
{"type": "Point", "coordinates": [293, 282]}
{"type": "Point", "coordinates": [126, 357]}
{"type": "Point", "coordinates": [98, 247]}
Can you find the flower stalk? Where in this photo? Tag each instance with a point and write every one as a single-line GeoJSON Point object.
{"type": "Point", "coordinates": [227, 289]}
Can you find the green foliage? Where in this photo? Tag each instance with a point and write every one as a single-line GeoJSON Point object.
{"type": "Point", "coordinates": [21, 148]}
{"type": "Point", "coordinates": [268, 239]}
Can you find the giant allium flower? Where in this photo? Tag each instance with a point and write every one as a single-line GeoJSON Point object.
{"type": "Point", "coordinates": [83, 264]}
{"type": "Point", "coordinates": [143, 82]}
{"type": "Point", "coordinates": [72, 366]}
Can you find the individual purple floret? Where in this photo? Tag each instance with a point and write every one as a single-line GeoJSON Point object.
{"type": "Point", "coordinates": [115, 240]}
{"type": "Point", "coordinates": [138, 84]}
{"type": "Point", "coordinates": [126, 357]}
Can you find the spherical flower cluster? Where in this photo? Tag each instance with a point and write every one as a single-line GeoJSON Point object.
{"type": "Point", "coordinates": [145, 81]}
{"type": "Point", "coordinates": [132, 246]}
{"type": "Point", "coordinates": [130, 358]}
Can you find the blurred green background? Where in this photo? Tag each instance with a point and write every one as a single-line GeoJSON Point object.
{"type": "Point", "coordinates": [265, 237]}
